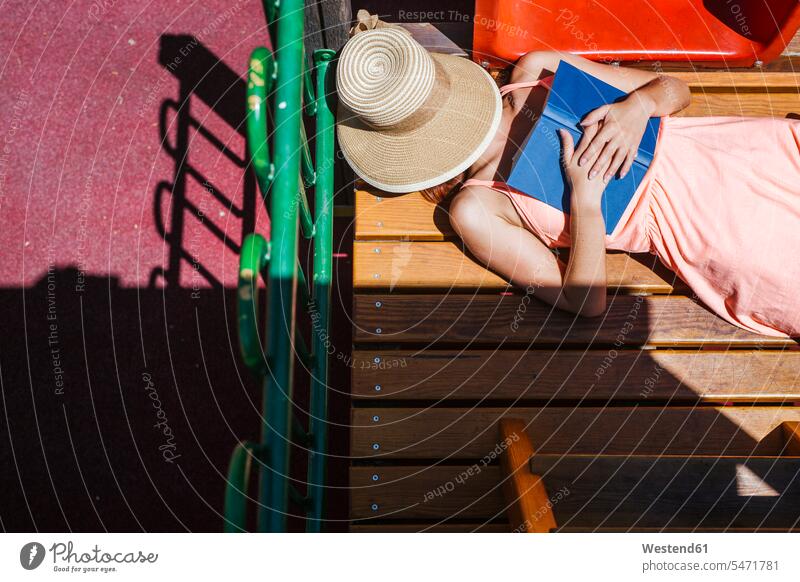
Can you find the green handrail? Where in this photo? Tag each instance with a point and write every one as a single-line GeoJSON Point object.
{"type": "Point", "coordinates": [306, 222]}
{"type": "Point", "coordinates": [282, 268]}
{"type": "Point", "coordinates": [260, 78]}
{"type": "Point", "coordinates": [308, 92]}
{"type": "Point", "coordinates": [254, 257]}
{"type": "Point", "coordinates": [323, 259]}
{"type": "Point", "coordinates": [236, 490]}
{"type": "Point", "coordinates": [284, 85]}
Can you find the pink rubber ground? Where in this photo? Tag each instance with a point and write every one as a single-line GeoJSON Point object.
{"type": "Point", "coordinates": [124, 199]}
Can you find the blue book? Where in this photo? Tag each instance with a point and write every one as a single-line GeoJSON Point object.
{"type": "Point", "coordinates": [536, 168]}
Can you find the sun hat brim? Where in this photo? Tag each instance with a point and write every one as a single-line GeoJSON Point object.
{"type": "Point", "coordinates": [449, 142]}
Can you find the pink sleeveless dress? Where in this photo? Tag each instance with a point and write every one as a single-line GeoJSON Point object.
{"type": "Point", "coordinates": [720, 206]}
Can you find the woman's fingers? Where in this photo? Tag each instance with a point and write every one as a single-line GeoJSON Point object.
{"type": "Point", "coordinates": [628, 163]}
{"type": "Point", "coordinates": [601, 165]}
{"type": "Point", "coordinates": [616, 163]}
{"type": "Point", "coordinates": [586, 140]}
{"type": "Point", "coordinates": [567, 146]}
{"type": "Point", "coordinates": [598, 143]}
{"type": "Point", "coordinates": [595, 116]}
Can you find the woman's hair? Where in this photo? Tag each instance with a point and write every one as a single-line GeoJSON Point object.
{"type": "Point", "coordinates": [437, 194]}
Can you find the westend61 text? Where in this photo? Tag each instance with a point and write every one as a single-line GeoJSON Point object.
{"type": "Point", "coordinates": [670, 549]}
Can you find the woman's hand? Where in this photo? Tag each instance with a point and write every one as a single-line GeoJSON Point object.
{"type": "Point", "coordinates": [585, 192]}
{"type": "Point", "coordinates": [620, 129]}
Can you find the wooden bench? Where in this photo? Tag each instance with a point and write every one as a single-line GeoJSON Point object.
{"type": "Point", "coordinates": [478, 408]}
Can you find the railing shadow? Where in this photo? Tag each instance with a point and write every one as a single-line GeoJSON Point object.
{"type": "Point", "coordinates": [201, 75]}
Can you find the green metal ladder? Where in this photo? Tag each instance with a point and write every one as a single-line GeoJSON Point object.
{"type": "Point", "coordinates": [282, 84]}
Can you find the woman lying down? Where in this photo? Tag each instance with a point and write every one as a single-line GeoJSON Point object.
{"type": "Point", "coordinates": [719, 203]}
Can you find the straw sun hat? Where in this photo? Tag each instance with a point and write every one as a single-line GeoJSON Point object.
{"type": "Point", "coordinates": [409, 119]}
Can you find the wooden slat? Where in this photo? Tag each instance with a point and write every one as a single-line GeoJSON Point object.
{"type": "Point", "coordinates": [426, 492]}
{"type": "Point", "coordinates": [784, 64]}
{"type": "Point", "coordinates": [704, 81]}
{"type": "Point", "coordinates": [414, 265]}
{"type": "Point", "coordinates": [471, 433]}
{"type": "Point", "coordinates": [625, 491]}
{"type": "Point", "coordinates": [444, 265]}
{"type": "Point", "coordinates": [527, 503]}
{"type": "Point", "coordinates": [380, 215]}
{"type": "Point", "coordinates": [687, 70]}
{"type": "Point", "coordinates": [505, 319]}
{"type": "Point", "coordinates": [743, 104]}
{"type": "Point", "coordinates": [327, 25]}
{"type": "Point", "coordinates": [791, 432]}
{"type": "Point", "coordinates": [649, 375]}
{"type": "Point", "coordinates": [607, 491]}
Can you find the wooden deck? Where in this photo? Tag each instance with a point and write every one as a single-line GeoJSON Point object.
{"type": "Point", "coordinates": [657, 416]}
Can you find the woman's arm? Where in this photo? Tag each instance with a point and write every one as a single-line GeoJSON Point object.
{"type": "Point", "coordinates": [494, 233]}
{"type": "Point", "coordinates": [671, 94]}
{"type": "Point", "coordinates": [491, 228]}
{"type": "Point", "coordinates": [585, 277]}
{"type": "Point", "coordinates": [621, 125]}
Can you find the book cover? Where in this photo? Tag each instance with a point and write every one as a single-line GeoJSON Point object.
{"type": "Point", "coordinates": [537, 170]}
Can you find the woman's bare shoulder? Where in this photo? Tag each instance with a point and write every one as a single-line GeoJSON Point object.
{"type": "Point", "coordinates": [534, 65]}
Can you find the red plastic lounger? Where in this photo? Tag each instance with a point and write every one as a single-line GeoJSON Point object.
{"type": "Point", "coordinates": [733, 33]}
